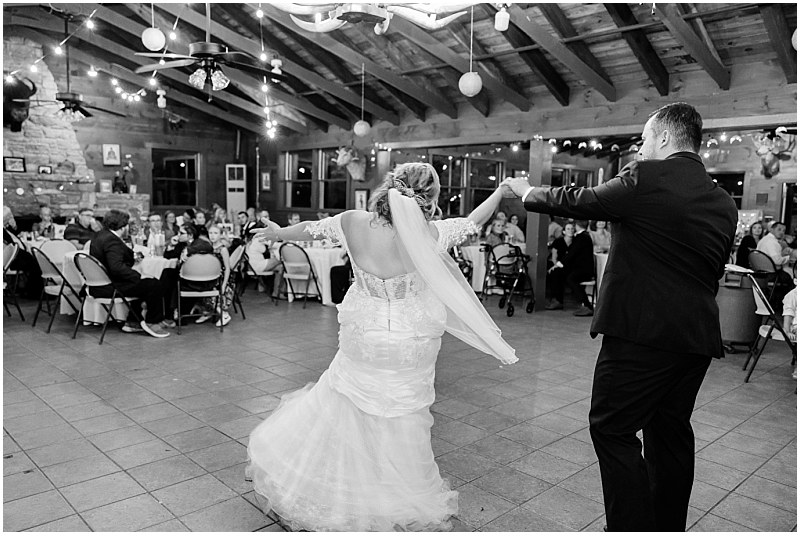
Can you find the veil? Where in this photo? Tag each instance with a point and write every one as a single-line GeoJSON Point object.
{"type": "Point", "coordinates": [466, 317]}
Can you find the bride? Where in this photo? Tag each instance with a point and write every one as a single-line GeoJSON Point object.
{"type": "Point", "coordinates": [353, 451]}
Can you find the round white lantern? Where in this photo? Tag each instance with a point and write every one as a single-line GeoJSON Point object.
{"type": "Point", "coordinates": [361, 128]}
{"type": "Point", "coordinates": [794, 39]}
{"type": "Point", "coordinates": [153, 39]}
{"type": "Point", "coordinates": [470, 84]}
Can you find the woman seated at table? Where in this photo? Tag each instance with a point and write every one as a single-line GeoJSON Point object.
{"type": "Point", "coordinates": [496, 233]}
{"type": "Point", "coordinates": [601, 237]}
{"type": "Point", "coordinates": [170, 225]}
{"type": "Point", "coordinates": [262, 259]}
{"type": "Point", "coordinates": [185, 244]}
{"type": "Point", "coordinates": [45, 227]}
{"type": "Point", "coordinates": [748, 244]}
{"type": "Point", "coordinates": [513, 230]}
{"type": "Point", "coordinates": [207, 305]}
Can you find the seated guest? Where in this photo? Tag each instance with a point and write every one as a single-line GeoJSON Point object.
{"type": "Point", "coordinates": [323, 215]}
{"type": "Point", "coordinates": [496, 232]}
{"type": "Point", "coordinates": [574, 267]}
{"type": "Point", "coordinates": [107, 246]}
{"type": "Point", "coordinates": [501, 215]}
{"type": "Point", "coordinates": [513, 230]}
{"type": "Point", "coordinates": [748, 244]}
{"type": "Point", "coordinates": [554, 231]}
{"type": "Point", "coordinates": [601, 237]}
{"type": "Point", "coordinates": [245, 226]}
{"type": "Point", "coordinates": [188, 216]}
{"type": "Point", "coordinates": [82, 230]}
{"type": "Point", "coordinates": [263, 219]}
{"type": "Point", "coordinates": [31, 280]}
{"type": "Point", "coordinates": [170, 225]}
{"type": "Point", "coordinates": [154, 235]}
{"type": "Point", "coordinates": [200, 219]}
{"type": "Point", "coordinates": [221, 250]}
{"type": "Point", "coordinates": [44, 228]}
{"type": "Point", "coordinates": [220, 216]}
{"type": "Point", "coordinates": [294, 219]}
{"type": "Point", "coordinates": [187, 243]}
{"type": "Point", "coordinates": [261, 259]}
{"type": "Point", "coordinates": [771, 245]}
{"type": "Point", "coordinates": [251, 215]}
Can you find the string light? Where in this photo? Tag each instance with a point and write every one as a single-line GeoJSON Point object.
{"type": "Point", "coordinates": [90, 24]}
{"type": "Point", "coordinates": [173, 36]}
{"type": "Point", "coordinates": [58, 50]}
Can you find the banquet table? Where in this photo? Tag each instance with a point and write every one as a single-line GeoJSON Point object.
{"type": "Point", "coordinates": [322, 259]}
{"type": "Point", "coordinates": [93, 312]}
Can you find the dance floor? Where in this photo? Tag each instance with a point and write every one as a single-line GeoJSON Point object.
{"type": "Point", "coordinates": [146, 434]}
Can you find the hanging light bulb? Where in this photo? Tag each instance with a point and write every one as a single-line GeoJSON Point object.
{"type": "Point", "coordinates": [136, 98]}
{"type": "Point", "coordinates": [58, 50]}
{"type": "Point", "coordinates": [198, 78]}
{"type": "Point", "coordinates": [153, 39]}
{"type": "Point", "coordinates": [92, 72]}
{"type": "Point", "coordinates": [470, 83]}
{"type": "Point", "coordinates": [114, 81]}
{"type": "Point", "coordinates": [264, 88]}
{"type": "Point", "coordinates": [218, 80]}
{"type": "Point", "coordinates": [20, 192]}
{"type": "Point", "coordinates": [90, 24]}
{"type": "Point", "coordinates": [9, 79]}
{"type": "Point", "coordinates": [34, 68]}
{"type": "Point", "coordinates": [515, 147]}
{"type": "Point", "coordinates": [118, 90]}
{"type": "Point", "coordinates": [263, 56]}
{"type": "Point", "coordinates": [259, 13]}
{"type": "Point", "coordinates": [362, 127]}
{"type": "Point", "coordinates": [501, 20]}
{"type": "Point", "coordinates": [173, 36]}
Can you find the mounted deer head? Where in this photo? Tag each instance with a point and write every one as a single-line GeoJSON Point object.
{"type": "Point", "coordinates": [356, 166]}
{"type": "Point", "coordinates": [15, 104]}
{"type": "Point", "coordinates": [772, 148]}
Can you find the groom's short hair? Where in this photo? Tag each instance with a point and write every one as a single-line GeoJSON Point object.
{"type": "Point", "coordinates": [582, 223]}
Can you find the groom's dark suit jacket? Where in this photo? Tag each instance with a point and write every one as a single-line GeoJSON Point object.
{"type": "Point", "coordinates": [672, 232]}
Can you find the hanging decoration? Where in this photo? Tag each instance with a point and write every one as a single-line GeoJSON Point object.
{"type": "Point", "coordinates": [153, 39]}
{"type": "Point", "coordinates": [362, 127]}
{"type": "Point", "coordinates": [470, 83]}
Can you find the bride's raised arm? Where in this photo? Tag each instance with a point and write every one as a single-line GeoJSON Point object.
{"type": "Point", "coordinates": [484, 211]}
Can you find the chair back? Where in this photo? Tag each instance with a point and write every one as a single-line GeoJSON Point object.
{"type": "Point", "coordinates": [56, 249]}
{"type": "Point", "coordinates": [295, 260]}
{"type": "Point", "coordinates": [235, 258]}
{"type": "Point", "coordinates": [763, 308]}
{"type": "Point", "coordinates": [49, 270]}
{"type": "Point", "coordinates": [93, 272]}
{"type": "Point", "coordinates": [87, 245]}
{"type": "Point", "coordinates": [9, 254]}
{"type": "Point", "coordinates": [201, 267]}
{"type": "Point", "coordinates": [760, 261]}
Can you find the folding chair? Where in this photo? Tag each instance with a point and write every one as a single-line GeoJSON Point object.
{"type": "Point", "coordinates": [764, 270]}
{"type": "Point", "coordinates": [94, 276]}
{"type": "Point", "coordinates": [236, 263]}
{"type": "Point", "coordinates": [201, 268]}
{"type": "Point", "coordinates": [54, 284]}
{"type": "Point", "coordinates": [56, 249]}
{"type": "Point", "coordinates": [249, 271]}
{"type": "Point", "coordinates": [9, 254]}
{"type": "Point", "coordinates": [766, 331]}
{"type": "Point", "coordinates": [297, 267]}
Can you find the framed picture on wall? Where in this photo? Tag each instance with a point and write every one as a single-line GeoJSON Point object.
{"type": "Point", "coordinates": [266, 181]}
{"type": "Point", "coordinates": [45, 170]}
{"type": "Point", "coordinates": [105, 186]}
{"type": "Point", "coordinates": [13, 165]}
{"type": "Point", "coordinates": [111, 154]}
{"type": "Point", "coordinates": [362, 196]}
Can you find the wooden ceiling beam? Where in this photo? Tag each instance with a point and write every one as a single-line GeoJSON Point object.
{"type": "Point", "coordinates": [563, 54]}
{"type": "Point", "coordinates": [781, 37]}
{"type": "Point", "coordinates": [684, 34]}
{"type": "Point", "coordinates": [245, 45]}
{"type": "Point", "coordinates": [244, 82]}
{"type": "Point", "coordinates": [138, 80]}
{"type": "Point", "coordinates": [699, 27]}
{"type": "Point", "coordinates": [637, 40]}
{"type": "Point", "coordinates": [536, 61]}
{"type": "Point", "coordinates": [430, 44]}
{"type": "Point", "coordinates": [356, 58]}
{"type": "Point", "coordinates": [561, 23]}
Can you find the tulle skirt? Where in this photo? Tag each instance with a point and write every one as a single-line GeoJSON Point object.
{"type": "Point", "coordinates": [322, 464]}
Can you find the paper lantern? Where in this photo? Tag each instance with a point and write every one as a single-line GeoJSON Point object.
{"type": "Point", "coordinates": [470, 84]}
{"type": "Point", "coordinates": [361, 128]}
{"type": "Point", "coordinates": [153, 39]}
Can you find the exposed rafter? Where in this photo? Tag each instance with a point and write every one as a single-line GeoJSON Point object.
{"type": "Point", "coordinates": [356, 58]}
{"type": "Point", "coordinates": [684, 34]}
{"type": "Point", "coordinates": [535, 60]}
{"type": "Point", "coordinates": [781, 37]}
{"type": "Point", "coordinates": [637, 40]}
{"type": "Point", "coordinates": [558, 49]}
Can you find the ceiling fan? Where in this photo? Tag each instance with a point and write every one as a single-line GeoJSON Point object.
{"type": "Point", "coordinates": [209, 58]}
{"type": "Point", "coordinates": [74, 108]}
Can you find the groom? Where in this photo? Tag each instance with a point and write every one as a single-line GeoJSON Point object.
{"type": "Point", "coordinates": [673, 229]}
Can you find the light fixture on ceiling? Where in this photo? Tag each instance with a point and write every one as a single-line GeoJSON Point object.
{"type": "Point", "coordinates": [470, 83]}
{"type": "Point", "coordinates": [161, 101]}
{"type": "Point", "coordinates": [362, 127]}
{"type": "Point", "coordinates": [152, 38]}
{"type": "Point", "coordinates": [502, 18]}
{"type": "Point", "coordinates": [339, 14]}
{"type": "Point", "coordinates": [218, 79]}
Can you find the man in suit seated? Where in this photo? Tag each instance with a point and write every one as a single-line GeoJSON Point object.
{"type": "Point", "coordinates": [83, 229]}
{"type": "Point", "coordinates": [118, 259]}
{"type": "Point", "coordinates": [245, 226]}
{"type": "Point", "coordinates": [578, 266]}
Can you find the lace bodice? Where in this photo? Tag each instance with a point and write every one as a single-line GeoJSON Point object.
{"type": "Point", "coordinates": [454, 231]}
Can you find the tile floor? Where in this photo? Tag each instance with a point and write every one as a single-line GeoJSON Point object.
{"type": "Point", "coordinates": [150, 435]}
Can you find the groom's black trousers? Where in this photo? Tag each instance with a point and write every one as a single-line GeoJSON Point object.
{"type": "Point", "coordinates": [641, 388]}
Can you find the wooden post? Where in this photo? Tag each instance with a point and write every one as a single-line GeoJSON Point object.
{"type": "Point", "coordinates": [540, 174]}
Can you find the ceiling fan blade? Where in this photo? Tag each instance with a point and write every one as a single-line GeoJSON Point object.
{"type": "Point", "coordinates": [234, 56]}
{"type": "Point", "coordinates": [258, 71]}
{"type": "Point", "coordinates": [166, 65]}
{"type": "Point", "coordinates": [82, 111]}
{"type": "Point", "coordinates": [112, 112]}
{"type": "Point", "coordinates": [161, 55]}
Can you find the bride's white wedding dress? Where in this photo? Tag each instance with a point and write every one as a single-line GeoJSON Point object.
{"type": "Point", "coordinates": [353, 451]}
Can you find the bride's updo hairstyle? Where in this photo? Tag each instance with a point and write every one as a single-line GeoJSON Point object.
{"type": "Point", "coordinates": [417, 181]}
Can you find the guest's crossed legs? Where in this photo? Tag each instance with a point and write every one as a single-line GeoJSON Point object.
{"type": "Point", "coordinates": [642, 388]}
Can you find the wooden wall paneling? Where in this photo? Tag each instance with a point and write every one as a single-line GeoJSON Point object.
{"type": "Point", "coordinates": [539, 174]}
{"type": "Point", "coordinates": [781, 37]}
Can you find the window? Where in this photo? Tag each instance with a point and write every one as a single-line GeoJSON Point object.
{"type": "Point", "coordinates": [733, 183]}
{"type": "Point", "coordinates": [451, 196]}
{"type": "Point", "coordinates": [571, 176]}
{"type": "Point", "coordinates": [484, 176]}
{"type": "Point", "coordinates": [333, 181]}
{"type": "Point", "coordinates": [299, 179]}
{"type": "Point", "coordinates": [174, 179]}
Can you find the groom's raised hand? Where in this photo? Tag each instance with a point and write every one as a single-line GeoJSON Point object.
{"type": "Point", "coordinates": [517, 185]}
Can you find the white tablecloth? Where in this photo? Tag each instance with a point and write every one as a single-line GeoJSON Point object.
{"type": "Point", "coordinates": [93, 312]}
{"type": "Point", "coordinates": [323, 259]}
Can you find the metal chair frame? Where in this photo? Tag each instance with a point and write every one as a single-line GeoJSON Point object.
{"type": "Point", "coordinates": [288, 276]}
{"type": "Point", "coordinates": [14, 250]}
{"type": "Point", "coordinates": [51, 274]}
{"type": "Point", "coordinates": [216, 293]}
{"type": "Point", "coordinates": [769, 275]}
{"type": "Point", "coordinates": [106, 302]}
{"type": "Point", "coordinates": [248, 271]}
{"type": "Point", "coordinates": [235, 260]}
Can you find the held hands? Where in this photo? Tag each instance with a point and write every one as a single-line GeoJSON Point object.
{"type": "Point", "coordinates": [268, 234]}
{"type": "Point", "coordinates": [516, 186]}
